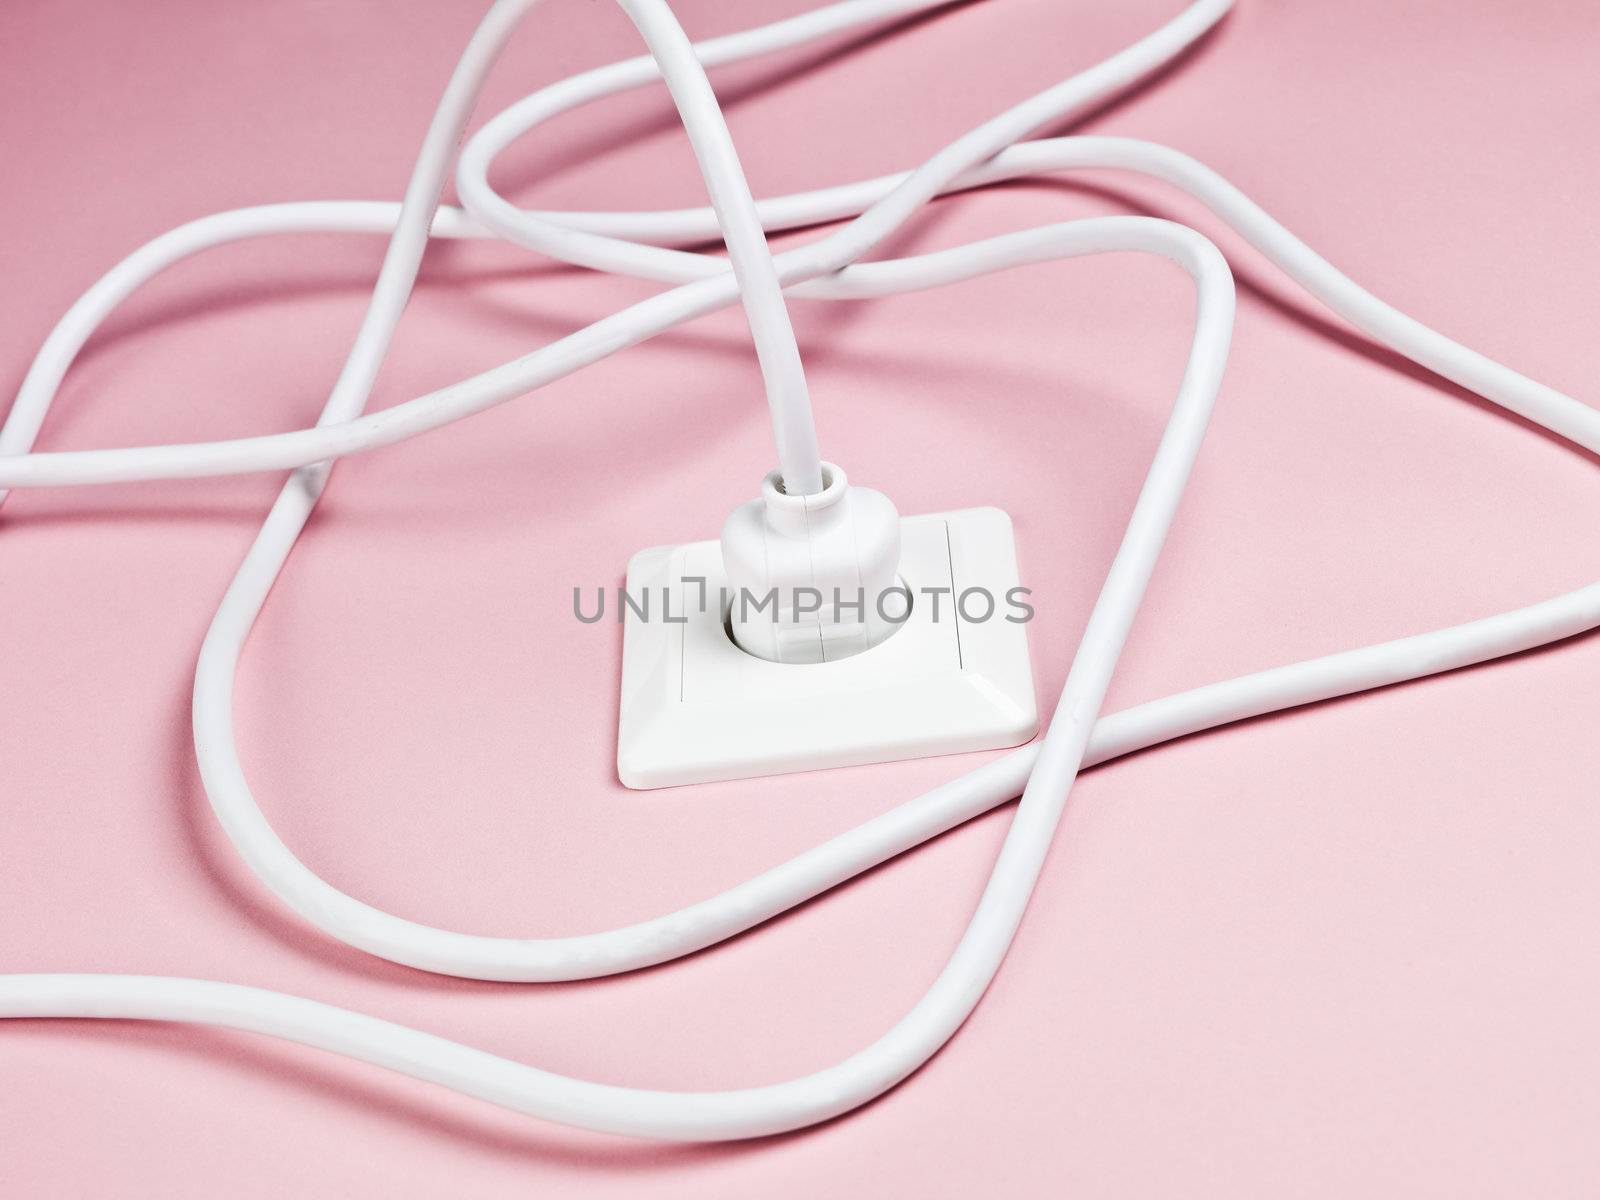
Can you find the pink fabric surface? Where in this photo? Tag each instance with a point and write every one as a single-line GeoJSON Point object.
{"type": "Point", "coordinates": [1343, 951]}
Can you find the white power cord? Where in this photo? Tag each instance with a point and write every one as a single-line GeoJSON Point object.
{"type": "Point", "coordinates": [824, 269]}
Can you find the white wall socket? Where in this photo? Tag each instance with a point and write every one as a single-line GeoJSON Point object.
{"type": "Point", "coordinates": [696, 708]}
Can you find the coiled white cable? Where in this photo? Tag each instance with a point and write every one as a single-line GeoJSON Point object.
{"type": "Point", "coordinates": [822, 269]}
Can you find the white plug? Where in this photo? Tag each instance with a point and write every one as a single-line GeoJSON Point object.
{"type": "Point", "coordinates": [814, 578]}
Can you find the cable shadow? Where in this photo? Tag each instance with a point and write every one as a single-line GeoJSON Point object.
{"type": "Point", "coordinates": [123, 326]}
{"type": "Point", "coordinates": [214, 858]}
{"type": "Point", "coordinates": [629, 130]}
{"type": "Point", "coordinates": [226, 513]}
{"type": "Point", "coordinates": [411, 1106]}
{"type": "Point", "coordinates": [1265, 720]}
{"type": "Point", "coordinates": [1321, 324]}
{"type": "Point", "coordinates": [1173, 69]}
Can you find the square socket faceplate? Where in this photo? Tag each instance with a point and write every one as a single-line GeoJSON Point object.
{"type": "Point", "coordinates": [697, 708]}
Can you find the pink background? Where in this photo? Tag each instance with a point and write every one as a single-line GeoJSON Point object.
{"type": "Point", "coordinates": [1344, 951]}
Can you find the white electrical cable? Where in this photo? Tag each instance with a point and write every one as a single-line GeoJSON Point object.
{"type": "Point", "coordinates": [798, 460]}
{"type": "Point", "coordinates": [634, 324]}
{"type": "Point", "coordinates": [1043, 772]}
{"type": "Point", "coordinates": [731, 200]}
{"type": "Point", "coordinates": [746, 1112]}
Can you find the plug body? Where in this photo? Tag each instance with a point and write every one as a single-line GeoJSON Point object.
{"type": "Point", "coordinates": [814, 578]}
